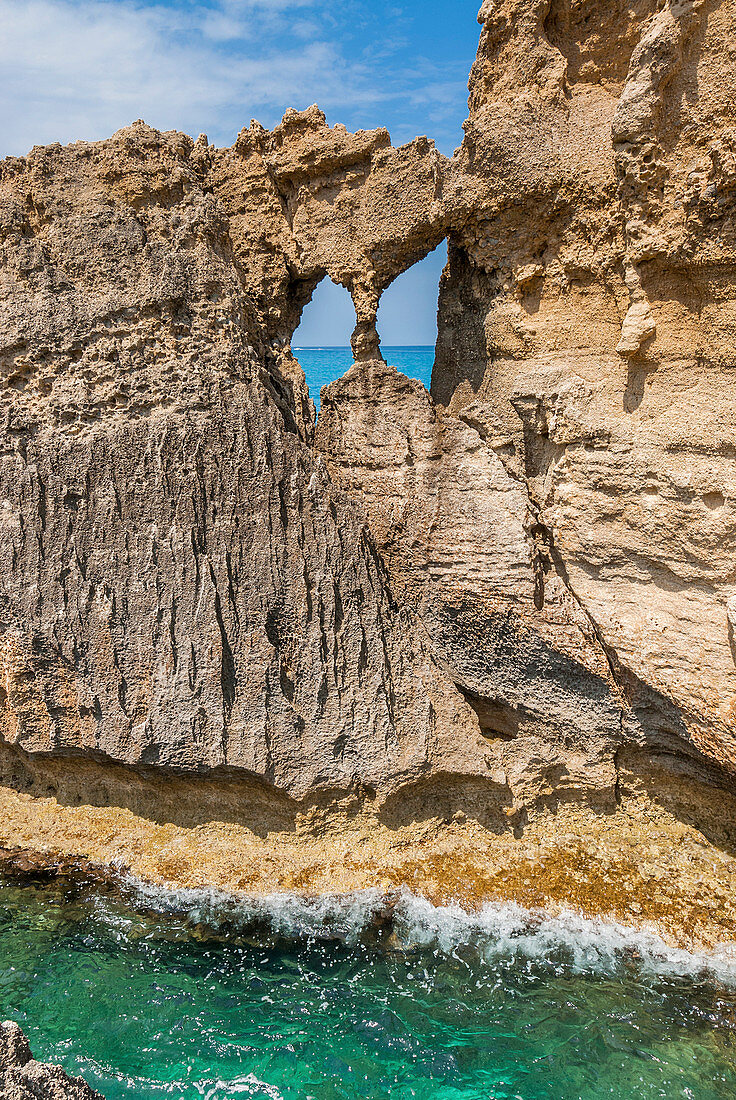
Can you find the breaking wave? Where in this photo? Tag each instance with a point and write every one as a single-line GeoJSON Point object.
{"type": "Point", "coordinates": [156, 994]}
{"type": "Point", "coordinates": [496, 932]}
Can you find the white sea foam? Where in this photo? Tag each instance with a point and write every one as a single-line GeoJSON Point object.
{"type": "Point", "coordinates": [507, 929]}
{"type": "Point", "coordinates": [248, 1085]}
{"type": "Point", "coordinates": [497, 931]}
{"type": "Point", "coordinates": [343, 916]}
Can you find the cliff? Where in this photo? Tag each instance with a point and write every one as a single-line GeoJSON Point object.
{"type": "Point", "coordinates": [560, 507]}
{"type": "Point", "coordinates": [182, 584]}
{"type": "Point", "coordinates": [509, 603]}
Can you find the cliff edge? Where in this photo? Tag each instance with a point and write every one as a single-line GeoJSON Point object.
{"type": "Point", "coordinates": [490, 626]}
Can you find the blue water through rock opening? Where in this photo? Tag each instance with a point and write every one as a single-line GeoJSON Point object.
{"type": "Point", "coordinates": [148, 997]}
{"type": "Point", "coordinates": [323, 365]}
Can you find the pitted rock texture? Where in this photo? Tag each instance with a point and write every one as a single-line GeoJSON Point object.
{"type": "Point", "coordinates": [181, 584]}
{"type": "Point", "coordinates": [517, 578]}
{"type": "Point", "coordinates": [23, 1078]}
{"type": "Point", "coordinates": [305, 201]}
{"type": "Point", "coordinates": [563, 508]}
{"type": "Point", "coordinates": [595, 283]}
{"type": "Point", "coordinates": [454, 524]}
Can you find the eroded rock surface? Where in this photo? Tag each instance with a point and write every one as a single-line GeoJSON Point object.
{"type": "Point", "coordinates": [23, 1078]}
{"type": "Point", "coordinates": [600, 272]}
{"type": "Point", "coordinates": [562, 510]}
{"type": "Point", "coordinates": [182, 584]}
{"type": "Point", "coordinates": [526, 578]}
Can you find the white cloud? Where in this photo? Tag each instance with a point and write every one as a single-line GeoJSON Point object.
{"type": "Point", "coordinates": [84, 68]}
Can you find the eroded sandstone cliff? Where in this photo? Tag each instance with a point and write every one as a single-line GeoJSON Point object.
{"type": "Point", "coordinates": [512, 600]}
{"type": "Point", "coordinates": [182, 584]}
{"type": "Point", "coordinates": [561, 505]}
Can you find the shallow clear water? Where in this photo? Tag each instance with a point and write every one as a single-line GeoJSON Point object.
{"type": "Point", "coordinates": [324, 365]}
{"type": "Point", "coordinates": [150, 996]}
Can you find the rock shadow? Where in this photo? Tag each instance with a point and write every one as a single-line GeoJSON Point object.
{"type": "Point", "coordinates": [678, 785]}
{"type": "Point", "coordinates": [158, 795]}
{"type": "Point", "coordinates": [449, 798]}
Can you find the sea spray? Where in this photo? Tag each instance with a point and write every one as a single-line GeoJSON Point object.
{"type": "Point", "coordinates": [183, 994]}
{"type": "Point", "coordinates": [294, 916]}
{"type": "Point", "coordinates": [495, 930]}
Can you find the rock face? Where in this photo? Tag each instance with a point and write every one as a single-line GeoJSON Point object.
{"type": "Point", "coordinates": [523, 577]}
{"type": "Point", "coordinates": [562, 508]}
{"type": "Point", "coordinates": [182, 585]}
{"type": "Point", "coordinates": [23, 1078]}
{"type": "Point", "coordinates": [604, 315]}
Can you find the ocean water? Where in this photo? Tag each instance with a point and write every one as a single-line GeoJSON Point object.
{"type": "Point", "coordinates": [154, 995]}
{"type": "Point", "coordinates": [324, 365]}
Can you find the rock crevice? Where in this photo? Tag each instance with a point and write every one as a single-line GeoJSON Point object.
{"type": "Point", "coordinates": [527, 572]}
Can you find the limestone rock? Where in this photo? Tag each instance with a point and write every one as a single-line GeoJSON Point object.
{"type": "Point", "coordinates": [453, 521]}
{"type": "Point", "coordinates": [516, 576]}
{"type": "Point", "coordinates": [598, 156]}
{"type": "Point", "coordinates": [182, 585]}
{"type": "Point", "coordinates": [23, 1078]}
{"type": "Point", "coordinates": [307, 201]}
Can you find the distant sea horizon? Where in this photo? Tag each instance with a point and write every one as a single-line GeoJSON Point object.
{"type": "Point", "coordinates": [323, 364]}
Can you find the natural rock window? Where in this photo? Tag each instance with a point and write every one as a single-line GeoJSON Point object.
{"type": "Point", "coordinates": [407, 317]}
{"type": "Point", "coordinates": [321, 344]}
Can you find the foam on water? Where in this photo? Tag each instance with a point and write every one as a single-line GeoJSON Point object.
{"type": "Point", "coordinates": [293, 916]}
{"type": "Point", "coordinates": [153, 993]}
{"type": "Point", "coordinates": [497, 930]}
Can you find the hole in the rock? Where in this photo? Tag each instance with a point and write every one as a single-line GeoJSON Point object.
{"type": "Point", "coordinates": [322, 341]}
{"type": "Point", "coordinates": [497, 721]}
{"type": "Point", "coordinates": [407, 325]}
{"type": "Point", "coordinates": [714, 501]}
{"type": "Point", "coordinates": [407, 317]}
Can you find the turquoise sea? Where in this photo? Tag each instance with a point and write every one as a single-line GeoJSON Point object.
{"type": "Point", "coordinates": [324, 365]}
{"type": "Point", "coordinates": [151, 995]}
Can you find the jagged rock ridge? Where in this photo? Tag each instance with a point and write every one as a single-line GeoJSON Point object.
{"type": "Point", "coordinates": [23, 1078]}
{"type": "Point", "coordinates": [182, 584]}
{"type": "Point", "coordinates": [562, 509]}
{"type": "Point", "coordinates": [511, 579]}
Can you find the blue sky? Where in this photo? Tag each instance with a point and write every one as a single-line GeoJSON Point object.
{"type": "Point", "coordinates": [83, 68]}
{"type": "Point", "coordinates": [408, 313]}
